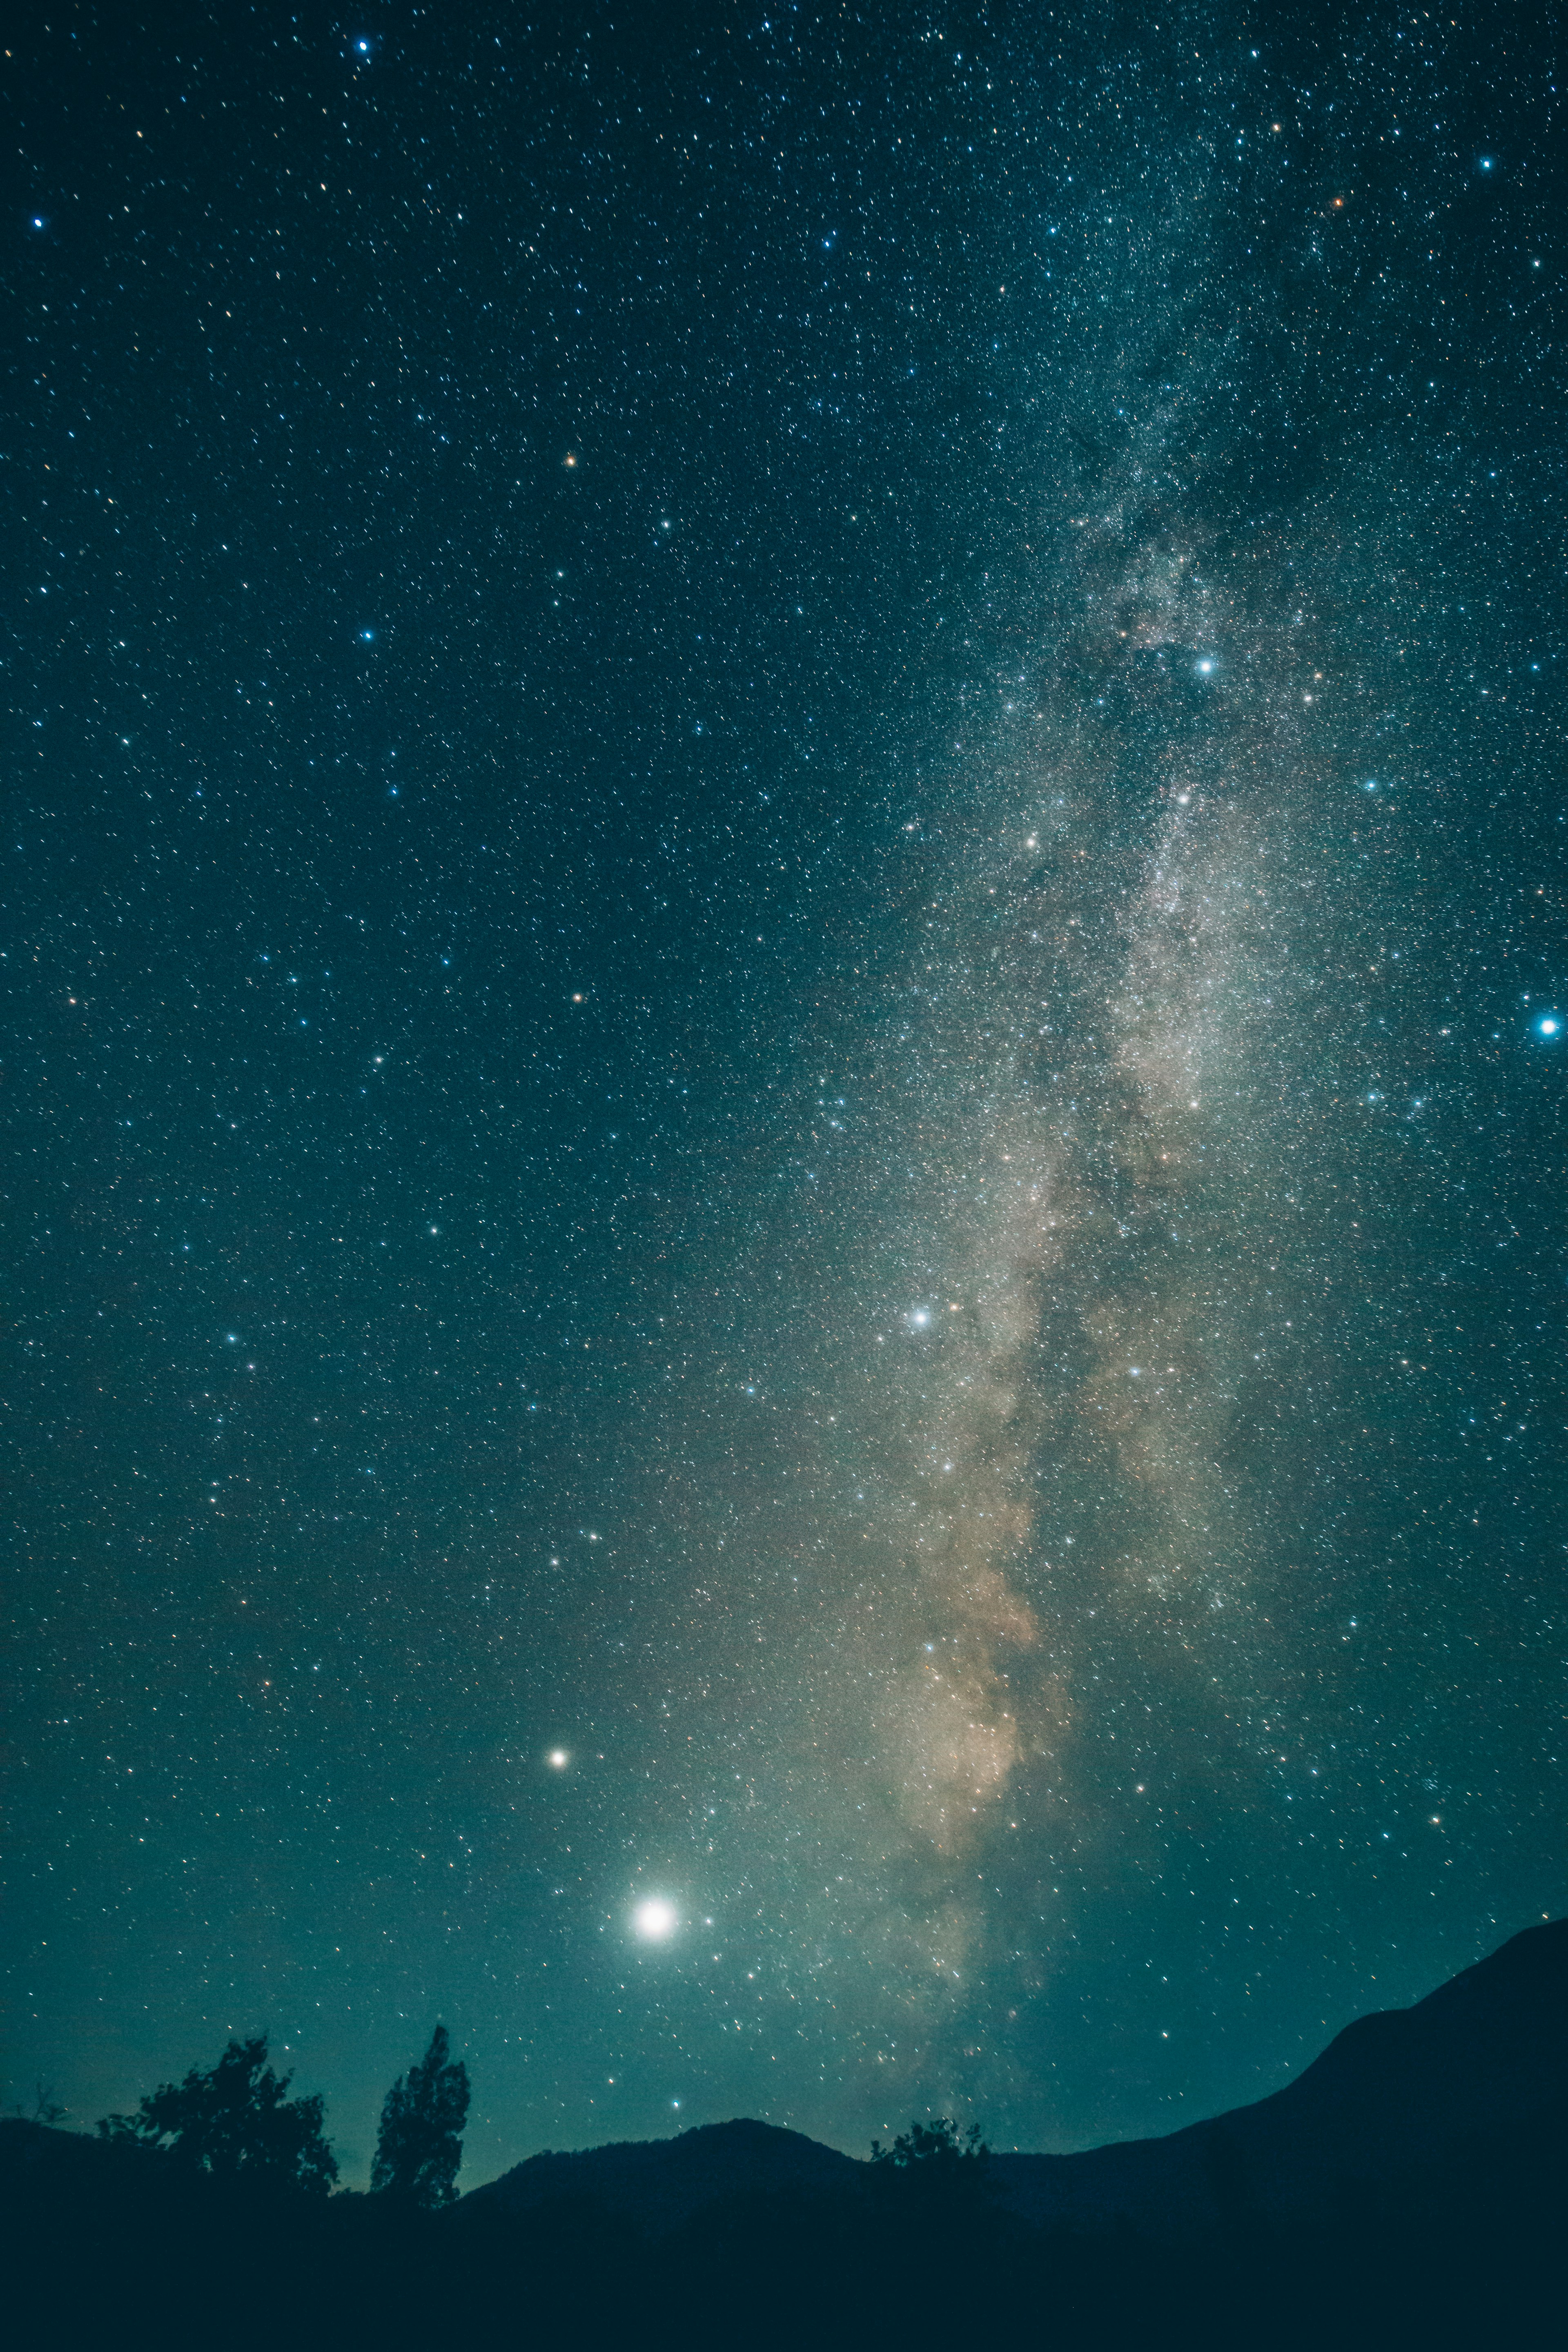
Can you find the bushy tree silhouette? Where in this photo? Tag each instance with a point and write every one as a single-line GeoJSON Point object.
{"type": "Point", "coordinates": [420, 2144]}
{"type": "Point", "coordinates": [234, 2118]}
{"type": "Point", "coordinates": [934, 2171]}
{"type": "Point", "coordinates": [935, 2150]}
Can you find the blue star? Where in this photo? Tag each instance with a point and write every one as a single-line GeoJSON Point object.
{"type": "Point", "coordinates": [1549, 1024]}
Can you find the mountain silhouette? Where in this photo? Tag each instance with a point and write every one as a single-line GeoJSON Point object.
{"type": "Point", "coordinates": [1406, 2189]}
{"type": "Point", "coordinates": [1400, 2090]}
{"type": "Point", "coordinates": [1397, 2091]}
{"type": "Point", "coordinates": [658, 2184]}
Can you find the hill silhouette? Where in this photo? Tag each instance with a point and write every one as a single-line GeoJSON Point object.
{"type": "Point", "coordinates": [658, 2184]}
{"type": "Point", "coordinates": [1397, 2090]}
{"type": "Point", "coordinates": [1407, 2188]}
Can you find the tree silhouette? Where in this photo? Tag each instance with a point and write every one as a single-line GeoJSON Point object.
{"type": "Point", "coordinates": [420, 2144]}
{"type": "Point", "coordinates": [935, 2150]}
{"type": "Point", "coordinates": [45, 2108]}
{"type": "Point", "coordinates": [936, 2169]}
{"type": "Point", "coordinates": [234, 2118]}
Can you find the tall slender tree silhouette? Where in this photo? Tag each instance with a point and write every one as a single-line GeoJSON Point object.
{"type": "Point", "coordinates": [420, 2144]}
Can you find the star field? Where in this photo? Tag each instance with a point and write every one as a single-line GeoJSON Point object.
{"type": "Point", "coordinates": [784, 969]}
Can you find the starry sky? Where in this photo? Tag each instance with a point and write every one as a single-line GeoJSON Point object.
{"type": "Point", "coordinates": [784, 935]}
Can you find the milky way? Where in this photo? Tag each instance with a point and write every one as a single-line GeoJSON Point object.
{"type": "Point", "coordinates": [1101, 1412]}
{"type": "Point", "coordinates": [787, 971]}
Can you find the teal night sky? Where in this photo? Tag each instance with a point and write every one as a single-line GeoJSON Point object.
{"type": "Point", "coordinates": [784, 976]}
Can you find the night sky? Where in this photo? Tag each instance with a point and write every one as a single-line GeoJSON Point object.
{"type": "Point", "coordinates": [784, 927]}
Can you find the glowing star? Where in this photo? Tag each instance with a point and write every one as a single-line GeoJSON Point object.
{"type": "Point", "coordinates": [655, 1919]}
{"type": "Point", "coordinates": [1205, 667]}
{"type": "Point", "coordinates": [919, 1317]}
{"type": "Point", "coordinates": [1549, 1024]}
{"type": "Point", "coordinates": [557, 1760]}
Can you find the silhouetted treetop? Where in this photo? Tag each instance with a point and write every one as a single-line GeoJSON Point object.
{"type": "Point", "coordinates": [234, 2118]}
{"type": "Point", "coordinates": [936, 2166]}
{"type": "Point", "coordinates": [934, 2149]}
{"type": "Point", "coordinates": [420, 2144]}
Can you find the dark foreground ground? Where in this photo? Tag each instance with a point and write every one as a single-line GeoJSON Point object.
{"type": "Point", "coordinates": [110, 2246]}
{"type": "Point", "coordinates": [1408, 2188]}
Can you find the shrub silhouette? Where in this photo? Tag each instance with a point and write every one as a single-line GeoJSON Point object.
{"type": "Point", "coordinates": [934, 2175]}
{"type": "Point", "coordinates": [934, 2151]}
{"type": "Point", "coordinates": [420, 2144]}
{"type": "Point", "coordinates": [234, 2118]}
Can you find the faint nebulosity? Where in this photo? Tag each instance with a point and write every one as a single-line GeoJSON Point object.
{"type": "Point", "coordinates": [785, 948]}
